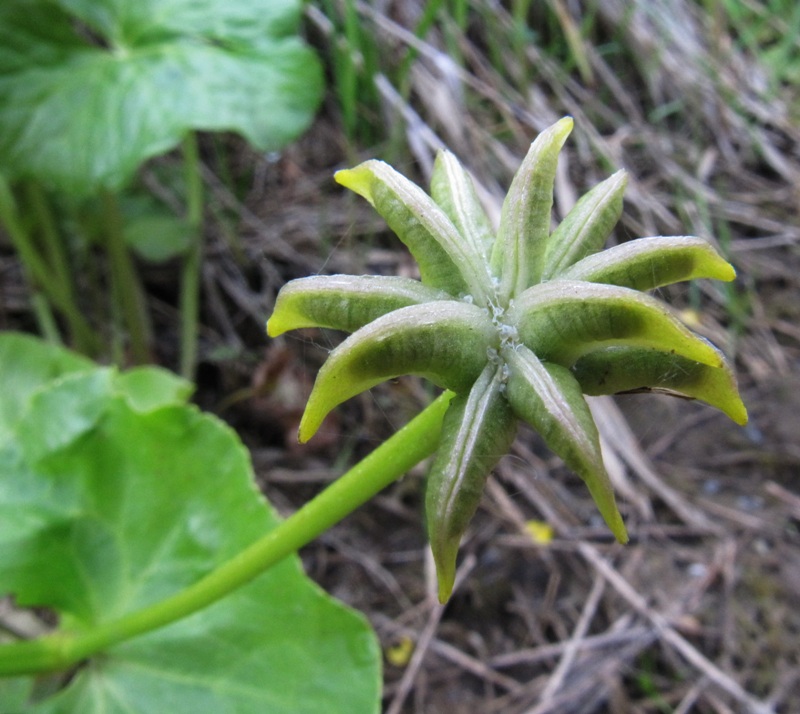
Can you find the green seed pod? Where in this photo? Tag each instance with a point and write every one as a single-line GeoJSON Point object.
{"type": "Point", "coordinates": [518, 252]}
{"type": "Point", "coordinates": [623, 369]}
{"type": "Point", "coordinates": [648, 263]}
{"type": "Point", "coordinates": [548, 397]}
{"type": "Point", "coordinates": [478, 429]}
{"type": "Point", "coordinates": [446, 261]}
{"type": "Point", "coordinates": [586, 227]}
{"type": "Point", "coordinates": [562, 320]}
{"type": "Point", "coordinates": [344, 302]}
{"type": "Point", "coordinates": [519, 327]}
{"type": "Point", "coordinates": [454, 192]}
{"type": "Point", "coordinates": [443, 341]}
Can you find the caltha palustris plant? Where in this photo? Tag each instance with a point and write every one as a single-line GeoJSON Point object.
{"type": "Point", "coordinates": [520, 325]}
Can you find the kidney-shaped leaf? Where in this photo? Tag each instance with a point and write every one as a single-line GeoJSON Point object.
{"type": "Point", "coordinates": [138, 505]}
{"type": "Point", "coordinates": [28, 364]}
{"type": "Point", "coordinates": [89, 89]}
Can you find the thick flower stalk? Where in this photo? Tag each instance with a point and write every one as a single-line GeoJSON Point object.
{"type": "Point", "coordinates": [520, 325]}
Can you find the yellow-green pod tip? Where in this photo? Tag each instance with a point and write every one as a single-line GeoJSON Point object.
{"type": "Point", "coordinates": [310, 423]}
{"type": "Point", "coordinates": [358, 179]}
{"type": "Point", "coordinates": [727, 272]}
{"type": "Point", "coordinates": [446, 570]}
{"type": "Point", "coordinates": [736, 410]}
{"type": "Point", "coordinates": [617, 527]}
{"type": "Point", "coordinates": [564, 126]}
{"type": "Point", "coordinates": [608, 509]}
{"type": "Point", "coordinates": [275, 327]}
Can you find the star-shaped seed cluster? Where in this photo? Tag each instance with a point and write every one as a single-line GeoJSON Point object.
{"type": "Point", "coordinates": [520, 325]}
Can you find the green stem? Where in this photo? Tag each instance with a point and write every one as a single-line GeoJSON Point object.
{"type": "Point", "coordinates": [53, 244]}
{"type": "Point", "coordinates": [40, 275]}
{"type": "Point", "coordinates": [45, 319]}
{"type": "Point", "coordinates": [414, 442]}
{"type": "Point", "coordinates": [60, 273]}
{"type": "Point", "coordinates": [190, 278]}
{"type": "Point", "coordinates": [127, 290]}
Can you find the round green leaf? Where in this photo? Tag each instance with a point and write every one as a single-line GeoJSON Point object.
{"type": "Point", "coordinates": [90, 89]}
{"type": "Point", "coordinates": [132, 510]}
{"type": "Point", "coordinates": [158, 238]}
{"type": "Point", "coordinates": [26, 364]}
{"type": "Point", "coordinates": [151, 387]}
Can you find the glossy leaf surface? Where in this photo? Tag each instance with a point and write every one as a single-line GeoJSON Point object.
{"type": "Point", "coordinates": [82, 115]}
{"type": "Point", "coordinates": [113, 498]}
{"type": "Point", "coordinates": [24, 368]}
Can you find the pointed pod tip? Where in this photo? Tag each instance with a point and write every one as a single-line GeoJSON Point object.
{"type": "Point", "coordinates": [362, 179]}
{"type": "Point", "coordinates": [727, 273]}
{"type": "Point", "coordinates": [621, 533]}
{"type": "Point", "coordinates": [620, 177]}
{"type": "Point", "coordinates": [444, 555]}
{"type": "Point", "coordinates": [555, 134]}
{"type": "Point", "coordinates": [607, 506]}
{"type": "Point", "coordinates": [738, 413]}
{"type": "Point", "coordinates": [341, 175]}
{"type": "Point", "coordinates": [308, 427]}
{"type": "Point", "coordinates": [274, 328]}
{"type": "Point", "coordinates": [445, 580]}
{"type": "Point", "coordinates": [344, 177]}
{"type": "Point", "coordinates": [713, 265]}
{"type": "Point", "coordinates": [613, 519]}
{"type": "Point", "coordinates": [358, 180]}
{"type": "Point", "coordinates": [444, 593]}
{"type": "Point", "coordinates": [561, 129]}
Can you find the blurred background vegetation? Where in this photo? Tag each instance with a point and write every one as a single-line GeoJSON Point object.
{"type": "Point", "coordinates": [700, 102]}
